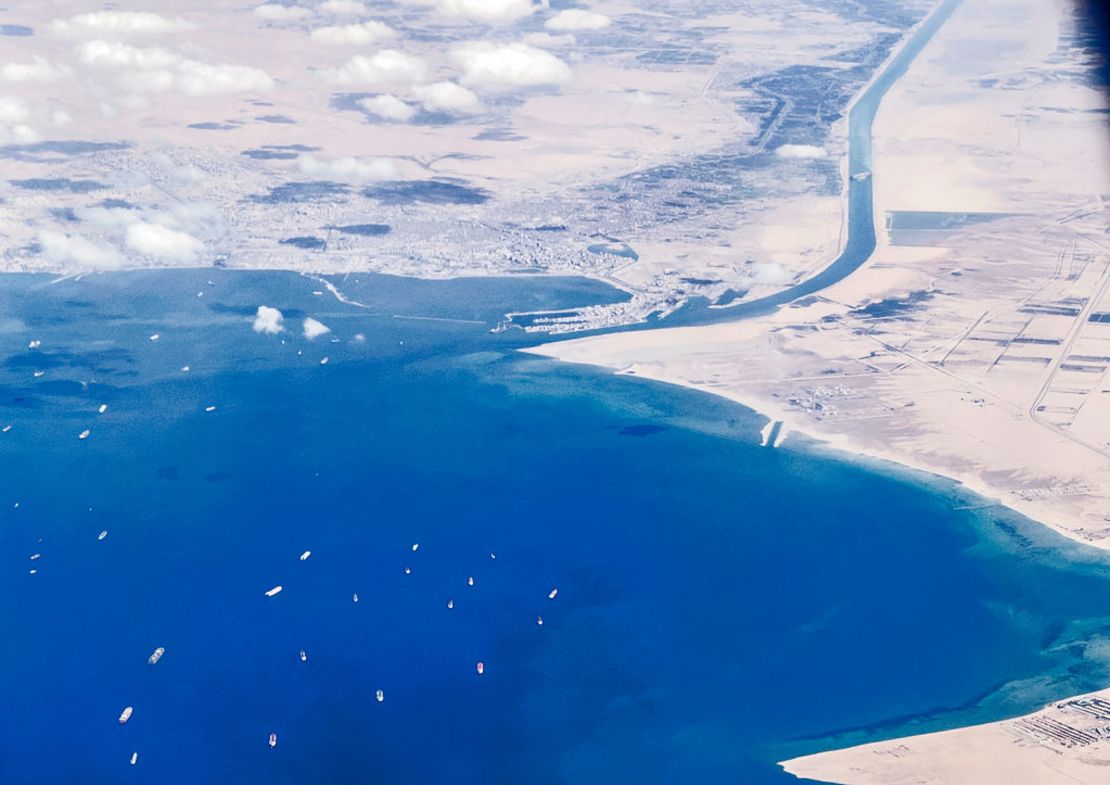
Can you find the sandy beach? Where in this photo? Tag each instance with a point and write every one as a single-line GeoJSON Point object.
{"type": "Point", "coordinates": [1061, 744]}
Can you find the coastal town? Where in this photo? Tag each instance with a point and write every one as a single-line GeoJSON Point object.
{"type": "Point", "coordinates": [713, 174]}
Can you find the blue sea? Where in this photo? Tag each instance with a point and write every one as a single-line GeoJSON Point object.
{"type": "Point", "coordinates": [720, 606]}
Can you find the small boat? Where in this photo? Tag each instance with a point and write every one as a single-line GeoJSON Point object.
{"type": "Point", "coordinates": [184, 368]}
{"type": "Point", "coordinates": [39, 374]}
{"type": "Point", "coordinates": [125, 715]}
{"type": "Point", "coordinates": [273, 740]}
{"type": "Point", "coordinates": [6, 428]}
{"type": "Point", "coordinates": [102, 535]}
{"type": "Point", "coordinates": [355, 596]}
{"type": "Point", "coordinates": [33, 572]}
{"type": "Point", "coordinates": [470, 581]}
{"type": "Point", "coordinates": [481, 668]}
{"type": "Point", "coordinates": [209, 408]}
{"type": "Point", "coordinates": [450, 604]}
{"type": "Point", "coordinates": [493, 555]}
{"type": "Point", "coordinates": [553, 594]}
{"type": "Point", "coordinates": [134, 758]}
{"type": "Point", "coordinates": [860, 176]}
{"type": "Point", "coordinates": [103, 408]}
{"type": "Point", "coordinates": [84, 434]}
{"type": "Point", "coordinates": [380, 696]}
{"type": "Point", "coordinates": [34, 344]}
{"type": "Point", "coordinates": [305, 555]}
{"type": "Point", "coordinates": [155, 337]}
{"type": "Point", "coordinates": [156, 655]}
{"type": "Point", "coordinates": [36, 556]}
{"type": "Point", "coordinates": [324, 361]}
{"type": "Point", "coordinates": [275, 590]}
{"type": "Point", "coordinates": [539, 620]}
{"type": "Point", "coordinates": [415, 547]}
{"type": "Point", "coordinates": [304, 656]}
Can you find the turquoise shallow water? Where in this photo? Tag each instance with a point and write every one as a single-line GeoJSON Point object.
{"type": "Point", "coordinates": [720, 606]}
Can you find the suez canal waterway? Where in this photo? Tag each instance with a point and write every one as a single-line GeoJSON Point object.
{"type": "Point", "coordinates": [859, 200]}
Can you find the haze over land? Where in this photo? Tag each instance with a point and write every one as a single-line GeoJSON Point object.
{"type": "Point", "coordinates": [674, 149]}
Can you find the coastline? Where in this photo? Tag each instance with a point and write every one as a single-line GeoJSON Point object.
{"type": "Point", "coordinates": [942, 353]}
{"type": "Point", "coordinates": [916, 543]}
{"type": "Point", "coordinates": [967, 418]}
{"type": "Point", "coordinates": [840, 445]}
{"type": "Point", "coordinates": [1028, 750]}
{"type": "Point", "coordinates": [715, 548]}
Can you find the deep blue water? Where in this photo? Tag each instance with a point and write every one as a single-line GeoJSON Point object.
{"type": "Point", "coordinates": [720, 606]}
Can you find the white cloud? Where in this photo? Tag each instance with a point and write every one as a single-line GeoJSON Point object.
{"type": "Point", "coordinates": [769, 273]}
{"type": "Point", "coordinates": [485, 10]}
{"type": "Point", "coordinates": [577, 19]}
{"type": "Point", "coordinates": [344, 7]}
{"type": "Point", "coordinates": [121, 22]}
{"type": "Point", "coordinates": [191, 218]}
{"type": "Point", "coordinates": [18, 134]}
{"type": "Point", "coordinates": [353, 35]}
{"type": "Point", "coordinates": [153, 81]}
{"type": "Point", "coordinates": [388, 107]}
{"type": "Point", "coordinates": [115, 53]}
{"type": "Point", "coordinates": [268, 320]}
{"type": "Point", "coordinates": [638, 97]}
{"type": "Point", "coordinates": [106, 217]}
{"type": "Point", "coordinates": [13, 110]}
{"type": "Point", "coordinates": [448, 97]}
{"type": "Point", "coordinates": [38, 70]}
{"type": "Point", "coordinates": [388, 66]}
{"type": "Point", "coordinates": [801, 151]}
{"type": "Point", "coordinates": [272, 12]}
{"type": "Point", "coordinates": [314, 329]}
{"type": "Point", "coordinates": [195, 79]}
{"type": "Point", "coordinates": [549, 41]}
{"type": "Point", "coordinates": [75, 250]}
{"type": "Point", "coordinates": [161, 242]}
{"type": "Point", "coordinates": [517, 65]}
{"type": "Point", "coordinates": [13, 128]}
{"type": "Point", "coordinates": [181, 174]}
{"type": "Point", "coordinates": [348, 169]}
{"type": "Point", "coordinates": [157, 70]}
